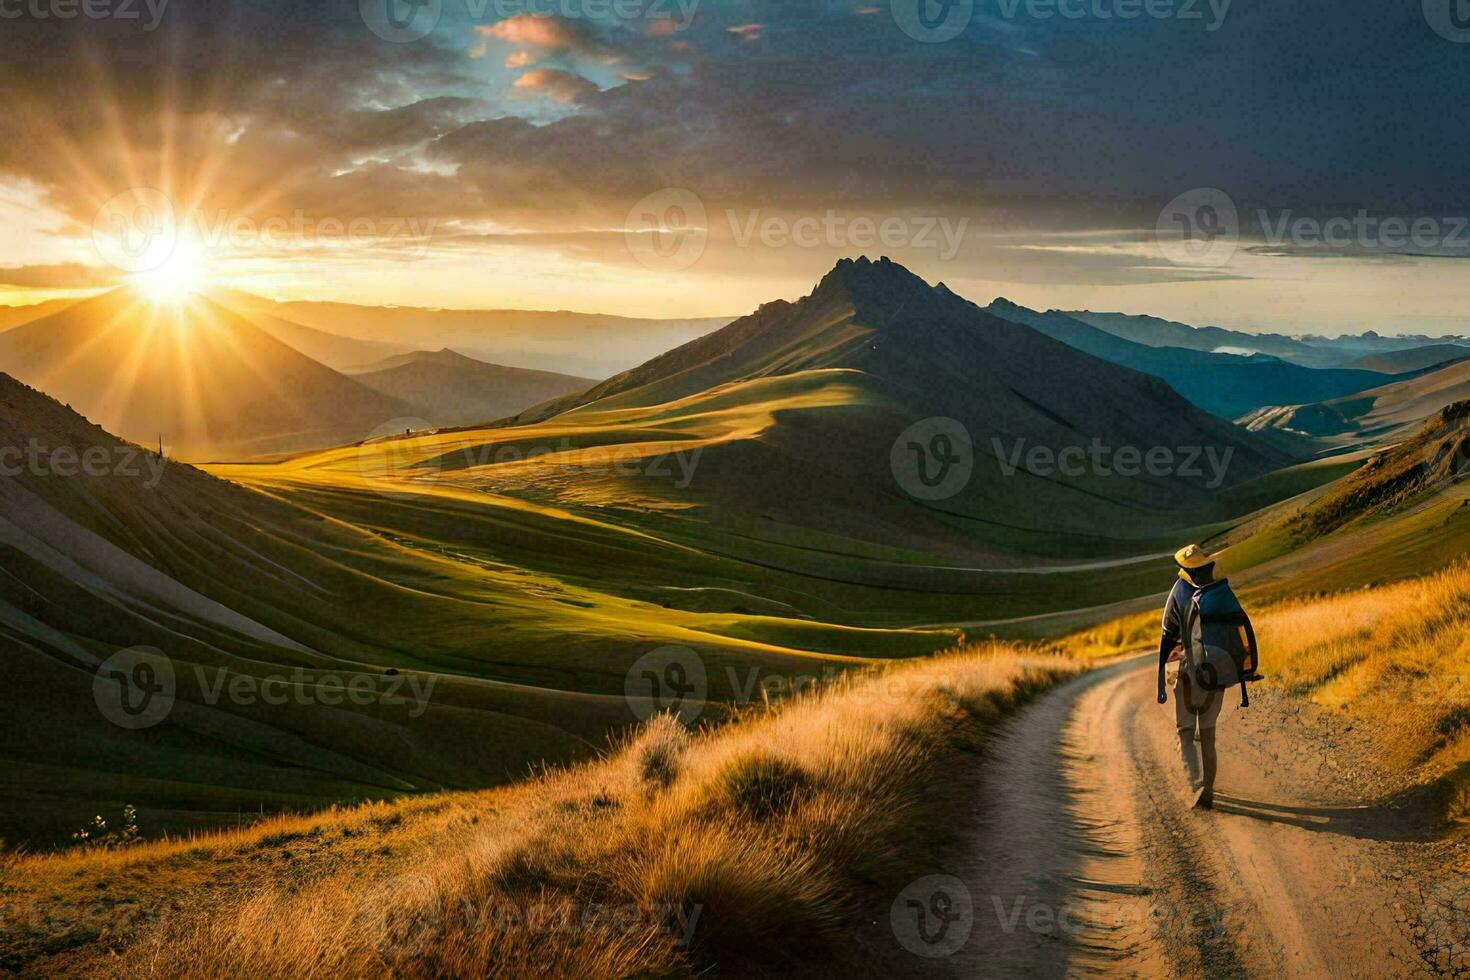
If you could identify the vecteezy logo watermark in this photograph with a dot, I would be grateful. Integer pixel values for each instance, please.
(404, 917)
(89, 9)
(933, 21)
(849, 232)
(1199, 228)
(401, 21)
(668, 230)
(120, 460)
(933, 459)
(1097, 459)
(136, 230)
(933, 916)
(669, 679)
(400, 457)
(135, 688)
(1450, 19)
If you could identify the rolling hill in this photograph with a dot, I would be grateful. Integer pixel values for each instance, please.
(1229, 385)
(209, 382)
(1379, 414)
(511, 611)
(1414, 359)
(592, 345)
(14, 316)
(832, 382)
(450, 389)
(336, 352)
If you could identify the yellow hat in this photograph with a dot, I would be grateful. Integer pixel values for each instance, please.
(1192, 557)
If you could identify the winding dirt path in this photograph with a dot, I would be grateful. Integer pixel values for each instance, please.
(1088, 859)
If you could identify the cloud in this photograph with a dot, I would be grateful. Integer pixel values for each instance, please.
(1038, 128)
(560, 85)
(68, 275)
(556, 35)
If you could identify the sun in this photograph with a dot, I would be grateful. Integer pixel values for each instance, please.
(174, 276)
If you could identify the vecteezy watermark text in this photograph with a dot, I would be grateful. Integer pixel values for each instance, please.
(407, 21)
(1204, 228)
(936, 21)
(140, 230)
(671, 229)
(1211, 12)
(126, 10)
(834, 230)
(1097, 459)
(138, 688)
(94, 461)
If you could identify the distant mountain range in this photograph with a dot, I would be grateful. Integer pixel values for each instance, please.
(1229, 385)
(1383, 413)
(215, 384)
(207, 381)
(1152, 331)
(238, 376)
(1307, 350)
(14, 316)
(334, 350)
(584, 344)
(452, 389)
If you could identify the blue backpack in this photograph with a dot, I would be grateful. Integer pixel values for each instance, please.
(1219, 642)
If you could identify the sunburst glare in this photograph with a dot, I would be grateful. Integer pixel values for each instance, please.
(175, 276)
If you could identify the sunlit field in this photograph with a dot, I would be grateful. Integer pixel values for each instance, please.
(753, 842)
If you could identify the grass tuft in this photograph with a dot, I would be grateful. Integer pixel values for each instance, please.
(658, 748)
(758, 785)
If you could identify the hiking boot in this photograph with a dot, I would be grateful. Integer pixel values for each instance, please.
(1204, 798)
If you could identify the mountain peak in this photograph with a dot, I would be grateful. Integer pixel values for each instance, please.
(877, 290)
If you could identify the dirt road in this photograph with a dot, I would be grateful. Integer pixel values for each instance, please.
(1088, 859)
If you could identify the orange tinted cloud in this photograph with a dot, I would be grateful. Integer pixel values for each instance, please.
(556, 84)
(540, 32)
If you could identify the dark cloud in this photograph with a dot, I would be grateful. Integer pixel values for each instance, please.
(1044, 127)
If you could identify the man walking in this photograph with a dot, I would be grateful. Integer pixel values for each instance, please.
(1198, 684)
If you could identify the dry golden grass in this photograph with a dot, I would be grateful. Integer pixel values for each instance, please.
(757, 842)
(1397, 655)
